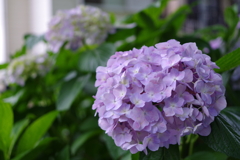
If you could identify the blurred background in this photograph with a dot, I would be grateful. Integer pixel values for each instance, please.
(47, 84)
(20, 17)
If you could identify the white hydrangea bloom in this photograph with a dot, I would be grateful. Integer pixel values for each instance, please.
(2, 80)
(27, 66)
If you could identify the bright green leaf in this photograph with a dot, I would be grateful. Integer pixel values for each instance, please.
(135, 156)
(229, 61)
(69, 92)
(6, 123)
(35, 131)
(4, 65)
(32, 154)
(82, 139)
(225, 134)
(172, 153)
(112, 18)
(20, 52)
(16, 131)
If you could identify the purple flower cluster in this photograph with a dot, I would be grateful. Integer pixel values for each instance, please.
(216, 43)
(78, 26)
(151, 97)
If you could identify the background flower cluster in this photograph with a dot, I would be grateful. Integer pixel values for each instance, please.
(78, 26)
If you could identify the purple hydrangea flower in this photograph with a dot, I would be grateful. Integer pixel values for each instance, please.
(152, 96)
(78, 26)
(216, 43)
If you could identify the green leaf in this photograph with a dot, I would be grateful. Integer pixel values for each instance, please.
(172, 153)
(31, 40)
(135, 156)
(6, 123)
(229, 61)
(144, 20)
(230, 17)
(155, 10)
(35, 131)
(4, 65)
(211, 32)
(199, 42)
(121, 34)
(147, 37)
(69, 92)
(15, 98)
(32, 154)
(177, 18)
(91, 59)
(205, 155)
(115, 151)
(64, 56)
(64, 154)
(225, 134)
(1, 155)
(90, 123)
(16, 131)
(231, 158)
(20, 52)
(82, 139)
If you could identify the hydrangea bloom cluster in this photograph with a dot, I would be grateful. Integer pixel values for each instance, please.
(27, 66)
(151, 97)
(83, 24)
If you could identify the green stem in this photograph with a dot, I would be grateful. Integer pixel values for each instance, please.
(184, 147)
(192, 142)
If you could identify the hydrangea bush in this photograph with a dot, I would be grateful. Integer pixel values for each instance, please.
(148, 99)
(78, 26)
(151, 97)
(27, 66)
